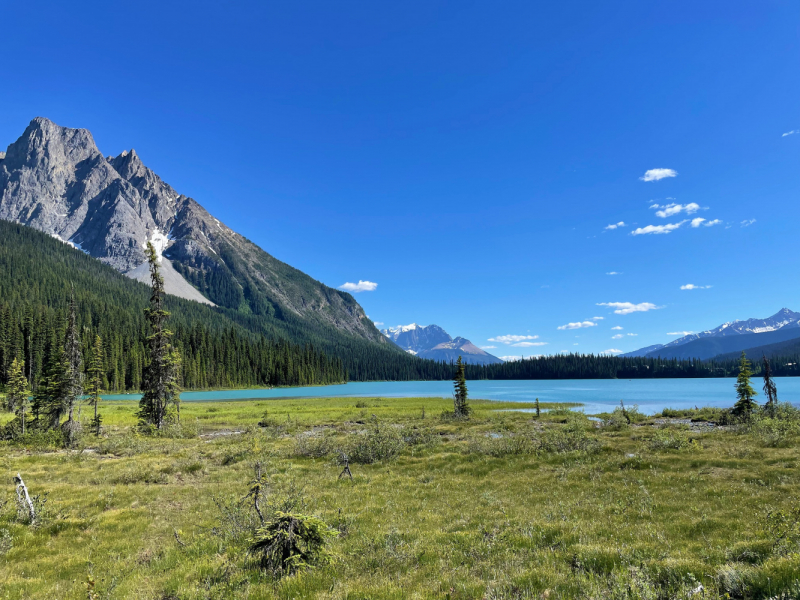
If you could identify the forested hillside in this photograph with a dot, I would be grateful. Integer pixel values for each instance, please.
(36, 276)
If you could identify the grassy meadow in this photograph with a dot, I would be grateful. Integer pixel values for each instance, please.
(500, 506)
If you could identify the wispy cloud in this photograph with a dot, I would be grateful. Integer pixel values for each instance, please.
(578, 325)
(618, 336)
(613, 273)
(712, 223)
(617, 328)
(626, 308)
(378, 323)
(597, 318)
(691, 286)
(697, 222)
(669, 210)
(657, 229)
(611, 351)
(656, 174)
(361, 286)
(701, 221)
(680, 333)
(528, 344)
(616, 225)
(488, 347)
(511, 339)
(747, 222)
(632, 334)
(792, 132)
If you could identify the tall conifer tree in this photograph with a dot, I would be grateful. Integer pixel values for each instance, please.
(744, 391)
(18, 391)
(161, 374)
(72, 382)
(460, 408)
(770, 389)
(95, 381)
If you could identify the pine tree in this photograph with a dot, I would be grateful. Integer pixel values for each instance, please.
(161, 375)
(18, 391)
(95, 381)
(744, 391)
(460, 408)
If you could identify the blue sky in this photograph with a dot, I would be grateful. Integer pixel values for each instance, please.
(467, 157)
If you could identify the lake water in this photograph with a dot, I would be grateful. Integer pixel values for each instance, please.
(596, 395)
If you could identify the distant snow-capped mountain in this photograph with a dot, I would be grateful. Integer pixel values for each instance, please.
(435, 343)
(783, 319)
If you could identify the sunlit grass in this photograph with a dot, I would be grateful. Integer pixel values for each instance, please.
(459, 518)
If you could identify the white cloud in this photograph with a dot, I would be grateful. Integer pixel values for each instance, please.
(529, 344)
(378, 323)
(597, 318)
(611, 351)
(510, 339)
(361, 286)
(613, 273)
(657, 229)
(617, 328)
(619, 336)
(691, 286)
(656, 174)
(615, 225)
(697, 222)
(792, 132)
(748, 222)
(632, 334)
(680, 333)
(626, 308)
(487, 347)
(671, 209)
(578, 325)
(712, 223)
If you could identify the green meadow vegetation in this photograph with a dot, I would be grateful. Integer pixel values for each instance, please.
(500, 505)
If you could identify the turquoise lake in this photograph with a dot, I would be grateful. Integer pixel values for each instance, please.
(596, 395)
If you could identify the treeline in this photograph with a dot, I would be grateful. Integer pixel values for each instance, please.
(589, 366)
(209, 359)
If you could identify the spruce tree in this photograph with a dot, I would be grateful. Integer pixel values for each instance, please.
(18, 391)
(770, 389)
(161, 374)
(744, 391)
(95, 381)
(460, 408)
(72, 382)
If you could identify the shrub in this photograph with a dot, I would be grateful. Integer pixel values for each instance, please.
(292, 542)
(313, 446)
(507, 445)
(419, 436)
(672, 439)
(378, 443)
(569, 438)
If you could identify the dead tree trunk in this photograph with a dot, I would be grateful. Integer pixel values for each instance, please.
(23, 498)
(346, 470)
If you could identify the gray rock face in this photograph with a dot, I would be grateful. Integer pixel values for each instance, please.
(435, 343)
(55, 179)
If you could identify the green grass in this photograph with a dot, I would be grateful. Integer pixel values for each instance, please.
(499, 506)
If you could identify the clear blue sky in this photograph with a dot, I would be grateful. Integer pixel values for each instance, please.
(466, 157)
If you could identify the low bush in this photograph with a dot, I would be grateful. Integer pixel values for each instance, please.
(414, 435)
(506, 445)
(380, 442)
(668, 438)
(308, 445)
(571, 437)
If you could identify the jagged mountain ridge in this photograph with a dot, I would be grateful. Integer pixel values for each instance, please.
(56, 180)
(785, 321)
(435, 343)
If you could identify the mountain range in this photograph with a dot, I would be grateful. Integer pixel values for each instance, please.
(55, 179)
(435, 343)
(731, 338)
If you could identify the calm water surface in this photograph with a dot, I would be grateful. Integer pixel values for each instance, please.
(595, 395)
